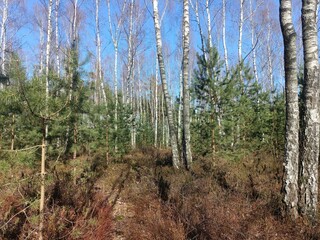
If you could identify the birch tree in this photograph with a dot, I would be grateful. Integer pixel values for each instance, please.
(310, 121)
(225, 49)
(172, 131)
(253, 44)
(195, 8)
(240, 31)
(3, 37)
(186, 148)
(209, 22)
(115, 33)
(45, 134)
(269, 52)
(291, 161)
(57, 43)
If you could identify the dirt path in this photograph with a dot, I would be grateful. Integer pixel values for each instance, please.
(113, 185)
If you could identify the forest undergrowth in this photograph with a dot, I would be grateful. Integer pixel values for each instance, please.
(141, 196)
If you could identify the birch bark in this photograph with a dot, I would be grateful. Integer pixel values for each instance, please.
(291, 160)
(310, 122)
(173, 134)
(115, 35)
(224, 35)
(3, 37)
(186, 147)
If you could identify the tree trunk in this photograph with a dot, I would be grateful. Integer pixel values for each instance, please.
(186, 148)
(270, 64)
(196, 11)
(291, 160)
(254, 51)
(240, 31)
(3, 37)
(49, 31)
(12, 132)
(224, 35)
(180, 109)
(310, 122)
(156, 108)
(42, 186)
(209, 23)
(57, 36)
(130, 56)
(115, 39)
(172, 130)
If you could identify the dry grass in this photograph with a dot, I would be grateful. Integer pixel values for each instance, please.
(142, 197)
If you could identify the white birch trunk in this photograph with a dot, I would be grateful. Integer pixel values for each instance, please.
(310, 122)
(240, 31)
(173, 135)
(98, 44)
(57, 36)
(156, 107)
(41, 47)
(180, 112)
(270, 65)
(291, 161)
(209, 23)
(115, 39)
(225, 49)
(44, 144)
(186, 147)
(254, 51)
(196, 10)
(3, 37)
(130, 57)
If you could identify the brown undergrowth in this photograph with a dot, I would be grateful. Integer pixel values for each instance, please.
(74, 208)
(216, 199)
(141, 196)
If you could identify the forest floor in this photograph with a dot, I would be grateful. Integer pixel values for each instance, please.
(141, 196)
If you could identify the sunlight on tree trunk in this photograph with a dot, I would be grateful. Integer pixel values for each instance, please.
(290, 178)
(310, 121)
(172, 131)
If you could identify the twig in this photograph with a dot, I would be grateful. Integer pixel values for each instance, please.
(16, 215)
(20, 150)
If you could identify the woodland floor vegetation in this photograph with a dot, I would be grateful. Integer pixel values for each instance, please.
(140, 196)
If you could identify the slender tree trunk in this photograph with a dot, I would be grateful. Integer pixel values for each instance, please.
(291, 161)
(180, 110)
(13, 132)
(44, 140)
(115, 81)
(57, 36)
(156, 108)
(75, 141)
(196, 10)
(130, 55)
(270, 65)
(163, 120)
(209, 23)
(100, 77)
(186, 148)
(173, 134)
(240, 31)
(42, 187)
(3, 37)
(41, 47)
(310, 122)
(254, 51)
(224, 35)
(48, 48)
(115, 39)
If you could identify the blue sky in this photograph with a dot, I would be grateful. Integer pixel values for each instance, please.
(171, 32)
